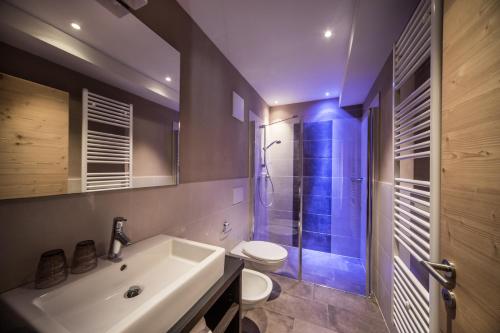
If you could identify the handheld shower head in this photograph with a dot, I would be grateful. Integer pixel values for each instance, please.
(272, 143)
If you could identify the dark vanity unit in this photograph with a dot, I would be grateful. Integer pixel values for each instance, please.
(221, 304)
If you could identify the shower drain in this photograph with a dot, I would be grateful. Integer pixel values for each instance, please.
(133, 291)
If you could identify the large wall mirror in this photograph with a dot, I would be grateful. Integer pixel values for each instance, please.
(84, 106)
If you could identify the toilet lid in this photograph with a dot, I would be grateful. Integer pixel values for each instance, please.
(265, 251)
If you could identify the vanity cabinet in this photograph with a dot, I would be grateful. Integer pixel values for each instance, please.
(221, 304)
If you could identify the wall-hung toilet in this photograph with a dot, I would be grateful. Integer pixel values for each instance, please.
(260, 255)
(256, 288)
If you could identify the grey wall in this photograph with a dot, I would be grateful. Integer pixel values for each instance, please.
(210, 136)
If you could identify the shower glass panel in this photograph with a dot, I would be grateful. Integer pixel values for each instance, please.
(333, 236)
(279, 194)
(313, 196)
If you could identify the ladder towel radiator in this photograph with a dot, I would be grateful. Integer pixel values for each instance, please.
(417, 140)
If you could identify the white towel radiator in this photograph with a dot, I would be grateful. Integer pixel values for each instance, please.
(416, 138)
(106, 143)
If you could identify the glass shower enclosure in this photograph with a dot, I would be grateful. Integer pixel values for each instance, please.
(279, 183)
(310, 183)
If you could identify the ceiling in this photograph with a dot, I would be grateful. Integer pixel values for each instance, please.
(377, 25)
(280, 48)
(278, 45)
(120, 51)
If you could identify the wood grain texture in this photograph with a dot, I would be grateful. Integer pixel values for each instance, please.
(470, 223)
(34, 127)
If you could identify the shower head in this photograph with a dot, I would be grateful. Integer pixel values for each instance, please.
(272, 143)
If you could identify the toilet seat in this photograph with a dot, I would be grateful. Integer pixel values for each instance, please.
(263, 265)
(265, 251)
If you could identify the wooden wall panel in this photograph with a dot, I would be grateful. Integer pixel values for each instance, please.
(470, 213)
(34, 129)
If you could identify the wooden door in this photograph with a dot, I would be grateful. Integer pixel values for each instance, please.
(470, 207)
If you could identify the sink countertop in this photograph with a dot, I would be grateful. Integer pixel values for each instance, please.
(94, 302)
(10, 322)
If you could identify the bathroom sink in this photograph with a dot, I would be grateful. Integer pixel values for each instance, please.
(155, 284)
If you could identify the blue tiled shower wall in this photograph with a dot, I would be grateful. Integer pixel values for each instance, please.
(317, 186)
(326, 157)
(331, 211)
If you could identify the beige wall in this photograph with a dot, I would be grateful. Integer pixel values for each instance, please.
(214, 159)
(195, 211)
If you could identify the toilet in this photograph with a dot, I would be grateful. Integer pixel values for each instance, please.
(260, 255)
(256, 288)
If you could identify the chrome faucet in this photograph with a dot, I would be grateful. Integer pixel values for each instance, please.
(118, 239)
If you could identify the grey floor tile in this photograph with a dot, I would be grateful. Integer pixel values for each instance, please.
(347, 321)
(267, 322)
(304, 307)
(363, 306)
(293, 287)
(339, 284)
(328, 269)
(300, 308)
(301, 326)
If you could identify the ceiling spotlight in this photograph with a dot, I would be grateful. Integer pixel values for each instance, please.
(75, 26)
(168, 79)
(328, 33)
(327, 94)
(275, 102)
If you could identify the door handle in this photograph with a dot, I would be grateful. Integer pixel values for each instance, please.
(450, 302)
(448, 279)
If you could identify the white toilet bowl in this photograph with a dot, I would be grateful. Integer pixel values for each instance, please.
(256, 288)
(260, 255)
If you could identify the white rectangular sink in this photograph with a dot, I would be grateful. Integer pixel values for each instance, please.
(172, 274)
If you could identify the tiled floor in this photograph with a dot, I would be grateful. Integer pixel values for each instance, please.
(327, 269)
(303, 307)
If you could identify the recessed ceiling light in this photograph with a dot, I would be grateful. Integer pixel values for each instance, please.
(75, 26)
(168, 79)
(327, 94)
(275, 102)
(328, 33)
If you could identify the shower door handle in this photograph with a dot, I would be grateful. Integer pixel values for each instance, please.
(357, 179)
